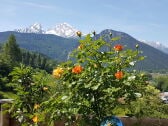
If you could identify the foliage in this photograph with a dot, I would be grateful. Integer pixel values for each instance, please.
(161, 83)
(149, 105)
(32, 88)
(12, 51)
(53, 46)
(11, 56)
(37, 60)
(93, 81)
(5, 69)
(98, 80)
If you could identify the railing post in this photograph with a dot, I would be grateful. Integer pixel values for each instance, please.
(1, 121)
(3, 101)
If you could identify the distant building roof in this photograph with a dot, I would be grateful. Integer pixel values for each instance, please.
(164, 94)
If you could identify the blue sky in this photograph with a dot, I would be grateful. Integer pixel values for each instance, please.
(142, 19)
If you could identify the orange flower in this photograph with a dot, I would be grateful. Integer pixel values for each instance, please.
(79, 33)
(35, 119)
(58, 72)
(36, 106)
(77, 69)
(119, 75)
(118, 47)
(45, 88)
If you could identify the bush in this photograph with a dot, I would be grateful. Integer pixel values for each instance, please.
(32, 88)
(94, 80)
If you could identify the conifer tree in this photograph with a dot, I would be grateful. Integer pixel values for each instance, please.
(12, 51)
(38, 62)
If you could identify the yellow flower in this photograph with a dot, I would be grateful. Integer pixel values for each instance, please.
(36, 106)
(57, 72)
(35, 119)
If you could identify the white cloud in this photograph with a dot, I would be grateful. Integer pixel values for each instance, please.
(37, 5)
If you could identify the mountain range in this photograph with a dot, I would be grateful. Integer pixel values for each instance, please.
(58, 47)
(156, 45)
(67, 31)
(63, 30)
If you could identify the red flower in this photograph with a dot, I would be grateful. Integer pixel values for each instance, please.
(118, 47)
(77, 69)
(119, 75)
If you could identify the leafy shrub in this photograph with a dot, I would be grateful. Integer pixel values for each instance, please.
(93, 80)
(32, 88)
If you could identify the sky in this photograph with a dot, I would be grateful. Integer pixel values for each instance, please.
(142, 19)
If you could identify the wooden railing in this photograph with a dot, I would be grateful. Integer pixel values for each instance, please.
(127, 121)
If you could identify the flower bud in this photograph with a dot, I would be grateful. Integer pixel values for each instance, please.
(142, 74)
(79, 34)
(137, 46)
(111, 34)
(45, 88)
(80, 46)
(36, 106)
(94, 33)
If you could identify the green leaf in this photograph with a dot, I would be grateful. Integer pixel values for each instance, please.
(96, 86)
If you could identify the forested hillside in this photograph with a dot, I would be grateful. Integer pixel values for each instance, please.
(53, 46)
(11, 55)
(155, 59)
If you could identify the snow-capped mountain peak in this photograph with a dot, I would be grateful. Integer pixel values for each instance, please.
(155, 44)
(63, 29)
(35, 28)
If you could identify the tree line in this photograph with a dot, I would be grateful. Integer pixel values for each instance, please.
(11, 55)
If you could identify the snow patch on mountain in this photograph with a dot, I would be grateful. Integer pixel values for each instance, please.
(35, 28)
(157, 45)
(63, 30)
